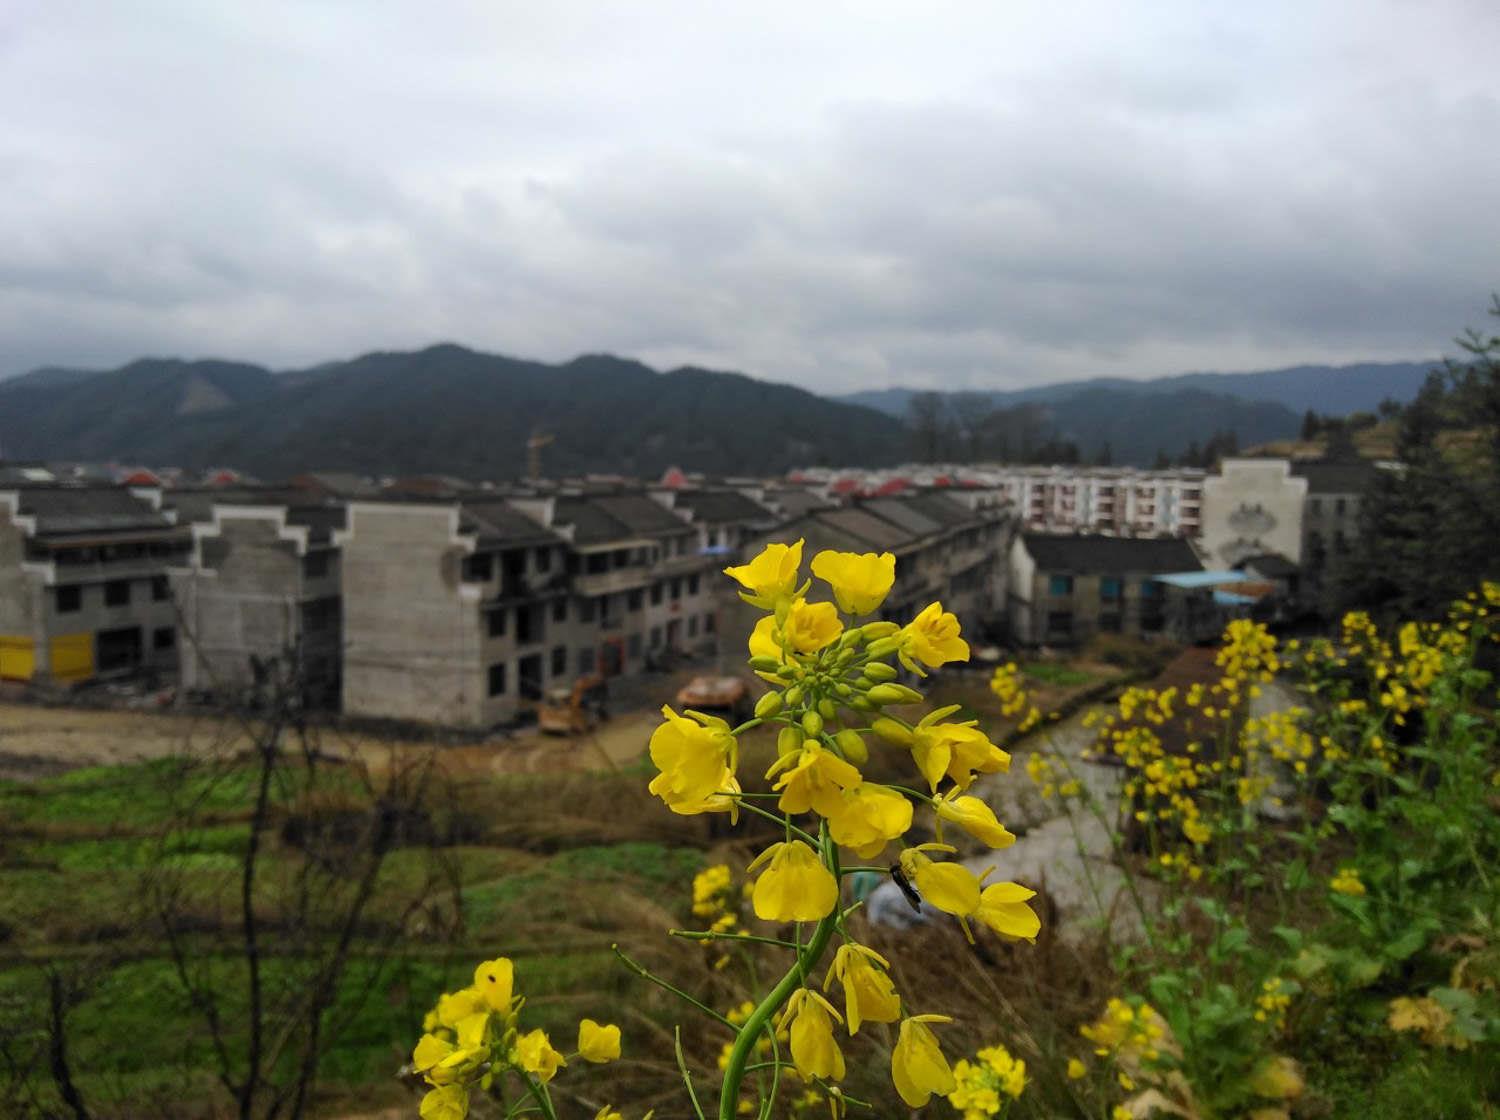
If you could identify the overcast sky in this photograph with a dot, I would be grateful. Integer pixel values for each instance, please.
(996, 193)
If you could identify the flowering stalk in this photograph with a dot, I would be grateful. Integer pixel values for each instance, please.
(776, 999)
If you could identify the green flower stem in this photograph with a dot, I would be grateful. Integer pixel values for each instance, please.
(687, 1077)
(646, 974)
(779, 819)
(538, 1091)
(734, 1072)
(711, 935)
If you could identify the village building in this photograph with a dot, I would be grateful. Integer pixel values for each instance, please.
(1065, 588)
(83, 583)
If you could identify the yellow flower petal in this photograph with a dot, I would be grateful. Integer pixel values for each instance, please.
(598, 1043)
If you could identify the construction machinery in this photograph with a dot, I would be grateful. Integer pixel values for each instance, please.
(573, 711)
(721, 696)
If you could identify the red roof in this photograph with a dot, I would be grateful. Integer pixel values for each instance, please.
(845, 486)
(140, 477)
(892, 486)
(674, 477)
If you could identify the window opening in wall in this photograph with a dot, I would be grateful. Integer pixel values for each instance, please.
(560, 610)
(1060, 585)
(69, 599)
(315, 565)
(117, 593)
(497, 623)
(497, 679)
(164, 637)
(160, 589)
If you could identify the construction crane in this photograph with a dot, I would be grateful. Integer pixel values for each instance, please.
(534, 447)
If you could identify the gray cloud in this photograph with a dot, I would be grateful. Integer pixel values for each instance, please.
(847, 196)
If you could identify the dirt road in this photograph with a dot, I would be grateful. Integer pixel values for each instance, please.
(40, 741)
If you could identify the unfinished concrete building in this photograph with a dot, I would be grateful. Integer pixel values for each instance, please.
(83, 584)
(260, 595)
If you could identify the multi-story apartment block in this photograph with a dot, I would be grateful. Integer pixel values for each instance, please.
(261, 585)
(1253, 507)
(1336, 491)
(83, 583)
(1065, 588)
(1121, 501)
(462, 612)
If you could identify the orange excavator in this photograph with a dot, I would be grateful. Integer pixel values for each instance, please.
(576, 710)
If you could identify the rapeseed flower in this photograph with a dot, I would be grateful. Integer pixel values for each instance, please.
(955, 750)
(869, 816)
(860, 582)
(869, 994)
(446, 1102)
(534, 1054)
(771, 578)
(813, 779)
(918, 1067)
(598, 1043)
(494, 981)
(693, 756)
(976, 818)
(931, 638)
(810, 627)
(815, 1053)
(796, 887)
(1347, 882)
(1002, 907)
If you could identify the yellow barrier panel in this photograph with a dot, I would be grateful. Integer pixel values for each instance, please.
(17, 658)
(73, 657)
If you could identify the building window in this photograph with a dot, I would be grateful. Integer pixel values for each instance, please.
(634, 646)
(69, 599)
(708, 623)
(528, 625)
(656, 637)
(1060, 585)
(1340, 506)
(692, 626)
(497, 623)
(315, 565)
(656, 594)
(585, 660)
(634, 600)
(585, 610)
(560, 610)
(160, 589)
(1150, 589)
(692, 585)
(676, 589)
(1314, 506)
(1110, 623)
(164, 637)
(477, 569)
(1109, 587)
(544, 559)
(117, 593)
(1060, 624)
(559, 661)
(497, 679)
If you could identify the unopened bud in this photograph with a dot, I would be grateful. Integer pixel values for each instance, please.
(764, 663)
(812, 723)
(842, 688)
(880, 671)
(861, 703)
(827, 708)
(768, 705)
(787, 672)
(892, 731)
(875, 630)
(789, 740)
(853, 746)
(893, 694)
(794, 696)
(884, 647)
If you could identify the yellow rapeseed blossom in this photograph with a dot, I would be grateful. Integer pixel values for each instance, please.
(868, 991)
(1348, 882)
(598, 1043)
(770, 578)
(918, 1067)
(534, 1054)
(693, 756)
(954, 750)
(812, 626)
(932, 638)
(860, 582)
(987, 1084)
(1278, 1078)
(868, 818)
(813, 779)
(446, 1102)
(815, 1052)
(1002, 907)
(976, 818)
(796, 887)
(494, 981)
(1076, 1070)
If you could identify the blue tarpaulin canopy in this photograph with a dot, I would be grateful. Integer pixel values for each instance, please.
(1230, 599)
(1201, 579)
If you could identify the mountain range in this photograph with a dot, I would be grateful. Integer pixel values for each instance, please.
(451, 410)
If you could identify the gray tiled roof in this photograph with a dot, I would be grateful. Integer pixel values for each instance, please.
(903, 514)
(874, 531)
(497, 522)
(722, 506)
(77, 509)
(1087, 554)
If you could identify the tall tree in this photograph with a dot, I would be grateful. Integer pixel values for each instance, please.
(1428, 525)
